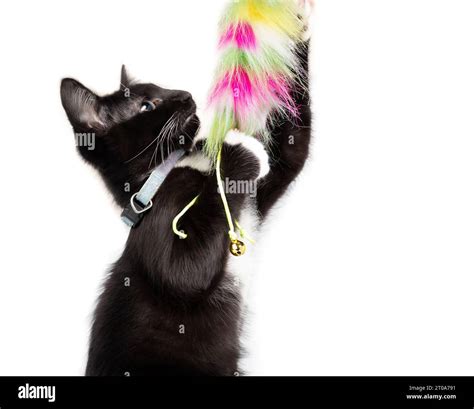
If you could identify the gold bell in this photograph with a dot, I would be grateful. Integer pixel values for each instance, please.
(237, 248)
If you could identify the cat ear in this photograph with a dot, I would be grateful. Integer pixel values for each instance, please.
(125, 79)
(81, 105)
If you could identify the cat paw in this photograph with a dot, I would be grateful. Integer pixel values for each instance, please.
(252, 145)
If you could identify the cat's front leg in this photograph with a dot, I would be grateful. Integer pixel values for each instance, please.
(193, 264)
(244, 158)
(290, 141)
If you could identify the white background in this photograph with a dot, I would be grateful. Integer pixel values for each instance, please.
(366, 269)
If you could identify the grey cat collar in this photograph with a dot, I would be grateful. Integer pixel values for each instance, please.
(141, 201)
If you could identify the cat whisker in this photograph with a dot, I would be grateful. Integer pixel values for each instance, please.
(142, 151)
(151, 143)
(165, 134)
(173, 130)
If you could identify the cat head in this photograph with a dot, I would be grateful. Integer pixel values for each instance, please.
(124, 135)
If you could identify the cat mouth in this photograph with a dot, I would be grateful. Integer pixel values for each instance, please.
(191, 125)
(189, 118)
(190, 114)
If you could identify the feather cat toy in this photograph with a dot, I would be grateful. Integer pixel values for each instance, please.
(257, 66)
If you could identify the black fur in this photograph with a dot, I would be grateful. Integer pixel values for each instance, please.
(175, 284)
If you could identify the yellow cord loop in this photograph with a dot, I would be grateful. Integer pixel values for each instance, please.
(237, 248)
(228, 215)
(180, 233)
(243, 233)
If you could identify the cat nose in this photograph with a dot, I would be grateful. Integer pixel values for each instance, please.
(185, 97)
(181, 96)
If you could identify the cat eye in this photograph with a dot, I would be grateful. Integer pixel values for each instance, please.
(147, 106)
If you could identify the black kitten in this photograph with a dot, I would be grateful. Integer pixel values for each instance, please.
(173, 306)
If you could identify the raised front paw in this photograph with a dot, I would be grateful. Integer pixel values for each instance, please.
(244, 157)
